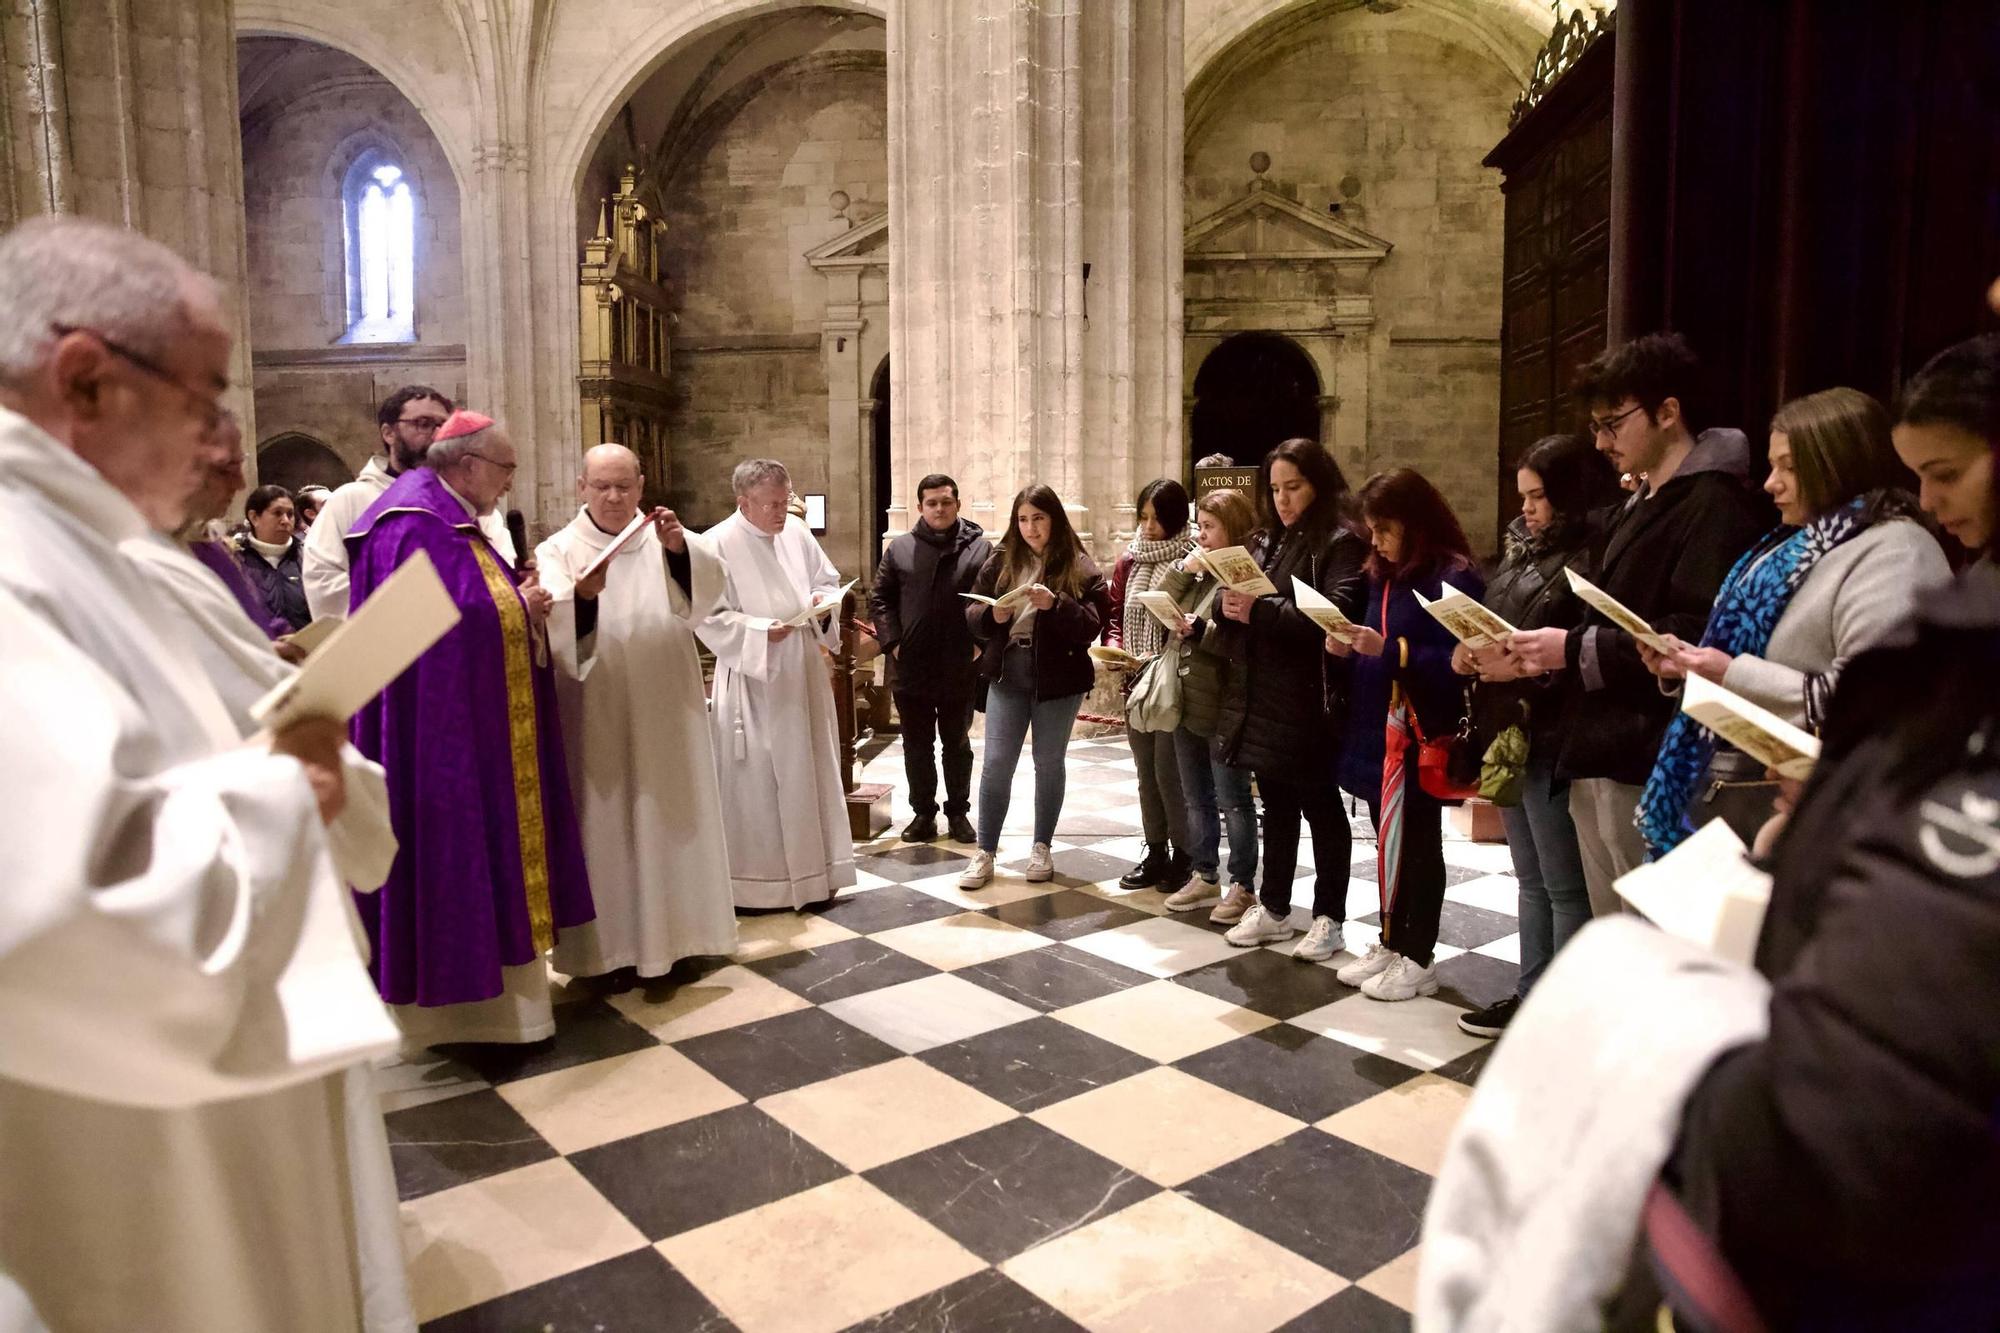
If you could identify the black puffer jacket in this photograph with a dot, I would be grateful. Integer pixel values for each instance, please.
(1062, 634)
(1285, 705)
(1530, 591)
(917, 610)
(279, 582)
(1665, 558)
(1849, 1164)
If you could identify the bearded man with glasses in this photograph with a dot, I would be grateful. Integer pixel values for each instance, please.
(407, 421)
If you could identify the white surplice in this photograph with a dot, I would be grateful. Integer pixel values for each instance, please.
(776, 739)
(641, 760)
(323, 563)
(181, 984)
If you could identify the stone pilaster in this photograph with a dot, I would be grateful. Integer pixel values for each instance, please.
(125, 110)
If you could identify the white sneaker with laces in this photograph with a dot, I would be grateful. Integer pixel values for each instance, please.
(1401, 980)
(1193, 894)
(1041, 864)
(1324, 940)
(1367, 965)
(1259, 925)
(979, 874)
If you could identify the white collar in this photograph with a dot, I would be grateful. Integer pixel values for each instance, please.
(470, 511)
(41, 462)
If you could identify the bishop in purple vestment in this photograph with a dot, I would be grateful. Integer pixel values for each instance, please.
(490, 868)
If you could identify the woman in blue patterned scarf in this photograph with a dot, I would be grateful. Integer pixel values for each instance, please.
(1838, 575)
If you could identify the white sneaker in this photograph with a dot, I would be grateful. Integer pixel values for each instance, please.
(1367, 965)
(1193, 894)
(1259, 925)
(1041, 864)
(1235, 903)
(1324, 940)
(1401, 980)
(979, 874)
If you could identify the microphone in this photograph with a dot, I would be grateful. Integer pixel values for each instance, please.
(524, 554)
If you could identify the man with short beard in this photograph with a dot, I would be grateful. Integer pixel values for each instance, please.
(408, 420)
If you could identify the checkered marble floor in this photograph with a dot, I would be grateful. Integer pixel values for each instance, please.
(1033, 1107)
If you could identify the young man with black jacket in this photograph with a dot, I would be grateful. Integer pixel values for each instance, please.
(920, 623)
(1665, 555)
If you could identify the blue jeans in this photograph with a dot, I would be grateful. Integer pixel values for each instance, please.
(1010, 711)
(1554, 902)
(1213, 787)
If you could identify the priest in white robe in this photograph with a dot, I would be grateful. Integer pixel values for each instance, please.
(181, 984)
(635, 721)
(773, 719)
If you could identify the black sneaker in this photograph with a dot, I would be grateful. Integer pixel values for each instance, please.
(1492, 1020)
(961, 829)
(1149, 873)
(921, 829)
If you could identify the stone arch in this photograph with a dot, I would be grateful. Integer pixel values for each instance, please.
(294, 459)
(1252, 391)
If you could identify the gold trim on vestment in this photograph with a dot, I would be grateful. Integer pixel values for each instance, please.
(523, 742)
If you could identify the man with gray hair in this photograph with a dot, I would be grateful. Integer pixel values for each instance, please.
(775, 734)
(180, 988)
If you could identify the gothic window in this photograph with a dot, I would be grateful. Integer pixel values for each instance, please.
(381, 233)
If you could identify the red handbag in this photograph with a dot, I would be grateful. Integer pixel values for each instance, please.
(1434, 757)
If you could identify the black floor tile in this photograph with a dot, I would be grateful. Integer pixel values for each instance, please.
(1304, 1075)
(1005, 1189)
(986, 1302)
(671, 1180)
(460, 1139)
(586, 1030)
(890, 906)
(1034, 1064)
(1065, 914)
(1336, 1203)
(916, 861)
(634, 1291)
(1352, 1311)
(1465, 927)
(1266, 982)
(775, 1055)
(836, 971)
(1082, 866)
(1475, 981)
(1467, 1068)
(1077, 822)
(1053, 977)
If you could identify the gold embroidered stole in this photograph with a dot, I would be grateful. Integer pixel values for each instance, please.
(522, 741)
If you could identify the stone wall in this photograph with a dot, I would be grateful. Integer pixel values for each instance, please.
(1389, 115)
(298, 145)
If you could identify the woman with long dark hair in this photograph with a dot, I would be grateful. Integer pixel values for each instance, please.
(1419, 546)
(1284, 712)
(273, 556)
(1035, 664)
(1565, 485)
(1156, 548)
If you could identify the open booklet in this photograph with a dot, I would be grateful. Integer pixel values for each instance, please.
(625, 537)
(1012, 597)
(823, 607)
(315, 633)
(1235, 569)
(1322, 612)
(1163, 607)
(1706, 891)
(1115, 657)
(1617, 612)
(1751, 728)
(357, 661)
(1468, 620)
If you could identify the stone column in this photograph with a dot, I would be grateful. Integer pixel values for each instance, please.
(125, 111)
(1026, 139)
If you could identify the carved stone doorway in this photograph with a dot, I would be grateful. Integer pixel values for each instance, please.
(293, 460)
(1252, 392)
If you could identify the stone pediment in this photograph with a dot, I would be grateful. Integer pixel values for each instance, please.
(863, 245)
(1265, 225)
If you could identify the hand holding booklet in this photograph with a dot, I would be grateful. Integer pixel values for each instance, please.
(357, 661)
(625, 536)
(1236, 569)
(1466, 617)
(1012, 597)
(1758, 732)
(1706, 891)
(1163, 607)
(1617, 612)
(821, 608)
(1322, 612)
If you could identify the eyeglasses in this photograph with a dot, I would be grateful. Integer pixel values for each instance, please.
(1608, 427)
(421, 423)
(209, 409)
(508, 468)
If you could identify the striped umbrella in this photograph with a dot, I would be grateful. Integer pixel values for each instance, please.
(1389, 831)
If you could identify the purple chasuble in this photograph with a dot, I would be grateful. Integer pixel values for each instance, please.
(489, 857)
(220, 559)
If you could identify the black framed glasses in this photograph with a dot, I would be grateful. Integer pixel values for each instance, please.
(509, 468)
(1609, 426)
(426, 424)
(210, 410)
